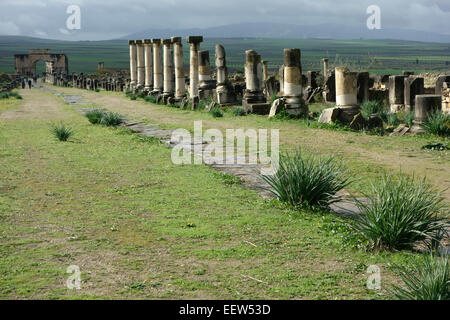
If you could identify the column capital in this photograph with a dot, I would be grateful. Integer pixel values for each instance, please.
(156, 41)
(194, 39)
(131, 42)
(176, 39)
(147, 41)
(166, 41)
(138, 41)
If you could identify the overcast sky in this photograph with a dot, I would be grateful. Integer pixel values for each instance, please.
(107, 19)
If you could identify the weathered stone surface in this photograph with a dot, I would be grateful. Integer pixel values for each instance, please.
(329, 115)
(357, 122)
(275, 108)
(401, 130)
(413, 86)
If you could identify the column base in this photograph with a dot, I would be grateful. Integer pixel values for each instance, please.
(417, 127)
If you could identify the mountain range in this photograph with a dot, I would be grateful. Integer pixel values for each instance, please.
(278, 30)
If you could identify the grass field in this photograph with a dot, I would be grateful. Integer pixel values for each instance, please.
(377, 56)
(141, 227)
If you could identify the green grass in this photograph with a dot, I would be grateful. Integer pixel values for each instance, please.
(427, 279)
(438, 123)
(62, 132)
(308, 180)
(141, 227)
(401, 212)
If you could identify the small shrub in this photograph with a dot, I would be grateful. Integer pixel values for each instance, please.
(371, 107)
(401, 213)
(133, 97)
(239, 112)
(391, 119)
(408, 118)
(62, 132)
(95, 116)
(216, 112)
(428, 279)
(97, 90)
(435, 146)
(202, 104)
(438, 123)
(307, 181)
(150, 98)
(111, 119)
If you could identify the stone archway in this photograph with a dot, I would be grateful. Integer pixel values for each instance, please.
(25, 64)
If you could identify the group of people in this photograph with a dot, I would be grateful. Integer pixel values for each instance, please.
(29, 81)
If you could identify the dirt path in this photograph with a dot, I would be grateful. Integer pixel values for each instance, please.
(36, 104)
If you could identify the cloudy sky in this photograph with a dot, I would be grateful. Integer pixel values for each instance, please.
(107, 19)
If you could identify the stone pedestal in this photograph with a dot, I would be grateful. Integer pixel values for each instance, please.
(413, 86)
(140, 64)
(293, 93)
(224, 94)
(424, 104)
(254, 100)
(133, 64)
(100, 66)
(148, 52)
(157, 67)
(346, 93)
(206, 84)
(180, 82)
(397, 93)
(169, 78)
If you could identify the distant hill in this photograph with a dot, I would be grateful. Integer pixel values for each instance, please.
(277, 30)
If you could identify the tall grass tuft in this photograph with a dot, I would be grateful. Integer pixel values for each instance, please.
(438, 123)
(428, 279)
(308, 180)
(216, 112)
(95, 116)
(239, 112)
(111, 119)
(62, 132)
(400, 213)
(371, 107)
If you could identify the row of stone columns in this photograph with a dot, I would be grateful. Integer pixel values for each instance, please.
(157, 66)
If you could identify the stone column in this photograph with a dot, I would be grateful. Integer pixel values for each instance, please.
(363, 86)
(293, 83)
(414, 85)
(194, 42)
(396, 93)
(100, 66)
(133, 62)
(157, 67)
(325, 69)
(265, 71)
(204, 69)
(224, 91)
(168, 67)
(140, 64)
(180, 88)
(346, 87)
(254, 100)
(425, 104)
(148, 65)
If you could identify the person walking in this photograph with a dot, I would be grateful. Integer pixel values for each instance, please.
(23, 84)
(29, 84)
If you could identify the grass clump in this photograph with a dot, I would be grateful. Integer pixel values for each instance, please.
(62, 132)
(111, 119)
(216, 112)
(7, 95)
(239, 112)
(438, 123)
(400, 213)
(307, 180)
(95, 116)
(371, 107)
(427, 279)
